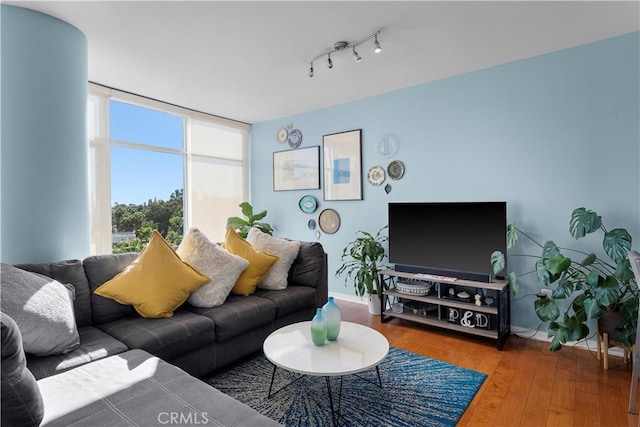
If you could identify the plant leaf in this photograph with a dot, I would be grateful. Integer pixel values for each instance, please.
(583, 222)
(514, 283)
(544, 277)
(512, 235)
(617, 244)
(550, 250)
(546, 309)
(235, 222)
(607, 291)
(247, 209)
(623, 271)
(590, 259)
(558, 264)
(497, 261)
(259, 216)
(591, 307)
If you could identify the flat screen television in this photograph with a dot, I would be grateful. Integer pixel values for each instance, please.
(454, 239)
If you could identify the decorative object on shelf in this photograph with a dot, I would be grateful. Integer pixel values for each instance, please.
(376, 175)
(397, 307)
(488, 301)
(343, 46)
(387, 188)
(311, 224)
(296, 169)
(361, 260)
(418, 289)
(329, 221)
(388, 145)
(395, 170)
(294, 138)
(478, 299)
(591, 287)
(242, 226)
(331, 313)
(308, 204)
(318, 328)
(343, 165)
(282, 135)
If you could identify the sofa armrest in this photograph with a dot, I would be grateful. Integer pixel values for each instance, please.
(310, 269)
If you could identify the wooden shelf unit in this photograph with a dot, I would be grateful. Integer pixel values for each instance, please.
(438, 309)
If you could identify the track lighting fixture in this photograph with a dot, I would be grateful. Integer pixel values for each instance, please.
(341, 46)
(356, 56)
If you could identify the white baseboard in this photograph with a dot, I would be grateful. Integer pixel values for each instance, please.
(350, 298)
(584, 345)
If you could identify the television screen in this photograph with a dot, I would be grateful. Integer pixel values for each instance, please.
(447, 238)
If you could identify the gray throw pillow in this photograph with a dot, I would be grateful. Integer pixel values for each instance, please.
(285, 250)
(43, 310)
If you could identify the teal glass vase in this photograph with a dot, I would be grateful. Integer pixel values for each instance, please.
(331, 313)
(318, 328)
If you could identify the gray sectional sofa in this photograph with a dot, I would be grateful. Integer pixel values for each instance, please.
(114, 339)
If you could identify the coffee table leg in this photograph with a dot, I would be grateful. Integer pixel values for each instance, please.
(339, 398)
(379, 379)
(333, 415)
(273, 375)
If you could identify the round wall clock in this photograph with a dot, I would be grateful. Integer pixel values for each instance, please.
(395, 169)
(376, 175)
(283, 135)
(308, 204)
(295, 138)
(388, 145)
(329, 221)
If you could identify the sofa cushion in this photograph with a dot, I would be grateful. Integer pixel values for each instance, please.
(307, 269)
(238, 314)
(70, 271)
(165, 338)
(156, 283)
(222, 268)
(21, 400)
(285, 250)
(99, 269)
(43, 310)
(94, 345)
(134, 388)
(290, 300)
(259, 263)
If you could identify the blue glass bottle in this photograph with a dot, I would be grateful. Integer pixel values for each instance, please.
(318, 328)
(331, 313)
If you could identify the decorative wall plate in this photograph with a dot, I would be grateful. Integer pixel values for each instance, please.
(295, 138)
(329, 221)
(311, 224)
(388, 145)
(376, 175)
(308, 204)
(282, 135)
(395, 169)
(387, 188)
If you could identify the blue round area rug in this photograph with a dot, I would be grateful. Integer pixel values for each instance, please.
(416, 391)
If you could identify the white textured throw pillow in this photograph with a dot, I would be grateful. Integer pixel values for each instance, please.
(43, 310)
(213, 261)
(286, 250)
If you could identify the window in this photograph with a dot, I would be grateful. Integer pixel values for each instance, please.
(155, 166)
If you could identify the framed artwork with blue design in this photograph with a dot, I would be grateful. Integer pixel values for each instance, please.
(342, 163)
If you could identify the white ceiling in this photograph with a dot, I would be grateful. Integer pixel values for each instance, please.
(249, 60)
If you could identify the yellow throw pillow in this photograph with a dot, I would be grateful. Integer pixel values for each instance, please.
(259, 263)
(156, 283)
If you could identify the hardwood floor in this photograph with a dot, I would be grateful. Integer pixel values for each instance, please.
(526, 385)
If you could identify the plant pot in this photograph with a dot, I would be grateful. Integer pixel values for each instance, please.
(374, 304)
(610, 322)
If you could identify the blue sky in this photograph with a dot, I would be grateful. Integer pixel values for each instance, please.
(140, 175)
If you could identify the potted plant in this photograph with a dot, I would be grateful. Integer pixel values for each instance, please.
(593, 287)
(361, 264)
(242, 226)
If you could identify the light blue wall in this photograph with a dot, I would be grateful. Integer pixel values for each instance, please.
(546, 134)
(45, 193)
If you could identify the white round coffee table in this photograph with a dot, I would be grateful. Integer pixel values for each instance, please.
(357, 349)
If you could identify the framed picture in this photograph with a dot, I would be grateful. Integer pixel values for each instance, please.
(343, 165)
(296, 169)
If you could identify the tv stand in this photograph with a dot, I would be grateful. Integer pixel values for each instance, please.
(449, 304)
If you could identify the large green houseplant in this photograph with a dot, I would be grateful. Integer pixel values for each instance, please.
(362, 260)
(592, 286)
(243, 225)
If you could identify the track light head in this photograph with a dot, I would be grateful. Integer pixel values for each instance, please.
(329, 61)
(356, 56)
(311, 70)
(376, 46)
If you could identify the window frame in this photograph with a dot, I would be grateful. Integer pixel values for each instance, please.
(101, 227)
